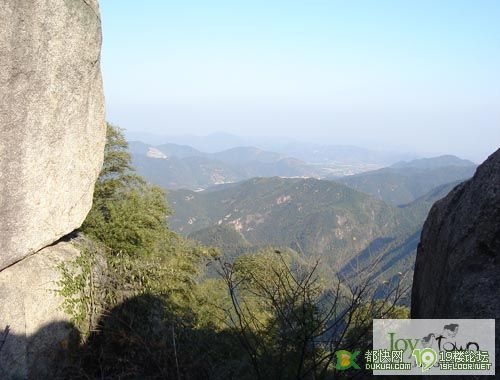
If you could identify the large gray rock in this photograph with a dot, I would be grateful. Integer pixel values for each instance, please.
(457, 270)
(35, 333)
(52, 128)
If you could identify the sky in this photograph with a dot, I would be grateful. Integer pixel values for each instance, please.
(420, 76)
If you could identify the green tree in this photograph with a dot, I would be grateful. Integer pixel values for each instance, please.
(291, 322)
(128, 215)
(128, 221)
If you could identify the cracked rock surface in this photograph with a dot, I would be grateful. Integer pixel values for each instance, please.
(52, 126)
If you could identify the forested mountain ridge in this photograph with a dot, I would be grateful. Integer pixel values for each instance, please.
(434, 162)
(313, 217)
(349, 222)
(405, 183)
(172, 166)
(308, 215)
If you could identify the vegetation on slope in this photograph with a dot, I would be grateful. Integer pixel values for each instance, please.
(404, 184)
(265, 316)
(311, 216)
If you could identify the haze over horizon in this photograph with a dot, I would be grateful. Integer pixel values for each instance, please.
(420, 77)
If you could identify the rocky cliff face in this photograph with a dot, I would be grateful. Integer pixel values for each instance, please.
(457, 270)
(52, 135)
(35, 332)
(51, 120)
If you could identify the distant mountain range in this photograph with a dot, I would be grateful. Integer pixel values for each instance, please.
(324, 152)
(406, 181)
(341, 154)
(244, 198)
(211, 143)
(434, 163)
(173, 166)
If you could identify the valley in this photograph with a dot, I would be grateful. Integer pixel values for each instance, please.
(349, 213)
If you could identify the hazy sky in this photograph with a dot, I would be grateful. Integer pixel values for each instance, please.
(408, 75)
